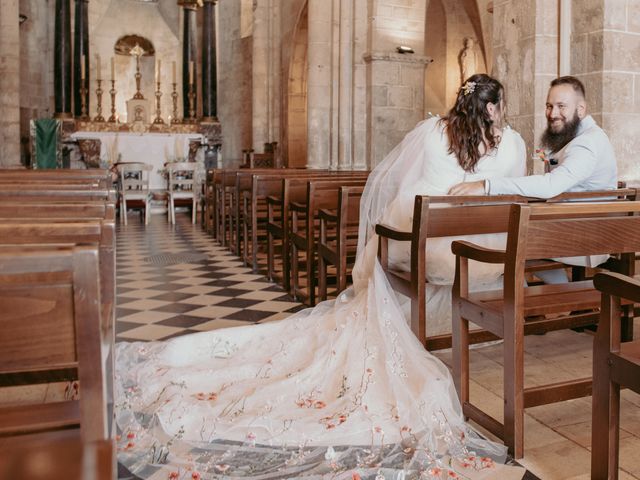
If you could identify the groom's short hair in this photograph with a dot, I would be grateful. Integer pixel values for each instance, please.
(576, 84)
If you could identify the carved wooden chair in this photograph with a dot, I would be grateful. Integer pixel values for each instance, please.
(181, 186)
(133, 188)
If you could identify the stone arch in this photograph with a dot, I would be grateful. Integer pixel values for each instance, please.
(296, 131)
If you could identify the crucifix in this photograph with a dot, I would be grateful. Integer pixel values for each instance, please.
(137, 52)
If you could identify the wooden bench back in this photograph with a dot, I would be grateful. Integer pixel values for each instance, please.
(40, 195)
(50, 321)
(61, 175)
(91, 209)
(323, 193)
(573, 229)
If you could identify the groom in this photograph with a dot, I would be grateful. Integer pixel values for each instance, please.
(581, 157)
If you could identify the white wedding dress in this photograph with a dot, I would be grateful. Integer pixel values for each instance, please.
(342, 390)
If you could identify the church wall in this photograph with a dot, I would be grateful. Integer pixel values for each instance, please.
(621, 84)
(395, 81)
(10, 91)
(606, 57)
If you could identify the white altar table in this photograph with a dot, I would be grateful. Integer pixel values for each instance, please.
(153, 148)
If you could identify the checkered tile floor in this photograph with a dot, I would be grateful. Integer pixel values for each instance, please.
(174, 280)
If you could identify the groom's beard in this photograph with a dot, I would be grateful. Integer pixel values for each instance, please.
(555, 141)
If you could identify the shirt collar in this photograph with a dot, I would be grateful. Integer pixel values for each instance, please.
(586, 123)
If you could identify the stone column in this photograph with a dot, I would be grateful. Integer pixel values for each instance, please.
(525, 55)
(10, 91)
(80, 51)
(345, 78)
(267, 93)
(189, 54)
(260, 76)
(209, 84)
(62, 60)
(319, 84)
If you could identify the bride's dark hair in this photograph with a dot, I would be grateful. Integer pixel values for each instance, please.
(468, 124)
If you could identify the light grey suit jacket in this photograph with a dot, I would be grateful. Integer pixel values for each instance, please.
(587, 162)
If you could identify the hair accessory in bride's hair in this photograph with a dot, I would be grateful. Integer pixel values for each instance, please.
(468, 88)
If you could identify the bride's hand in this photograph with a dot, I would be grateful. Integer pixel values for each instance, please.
(468, 188)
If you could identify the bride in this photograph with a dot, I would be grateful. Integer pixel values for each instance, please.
(342, 390)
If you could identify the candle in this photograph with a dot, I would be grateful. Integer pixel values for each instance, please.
(82, 67)
(113, 68)
(173, 65)
(98, 68)
(190, 72)
(158, 71)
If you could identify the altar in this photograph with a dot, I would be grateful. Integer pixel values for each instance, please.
(155, 149)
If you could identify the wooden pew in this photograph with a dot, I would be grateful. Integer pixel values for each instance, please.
(535, 231)
(433, 217)
(338, 239)
(59, 457)
(254, 196)
(18, 211)
(412, 284)
(321, 194)
(68, 196)
(225, 200)
(293, 191)
(616, 364)
(242, 198)
(87, 230)
(208, 202)
(61, 172)
(50, 313)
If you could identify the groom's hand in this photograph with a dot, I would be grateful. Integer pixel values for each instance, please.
(468, 188)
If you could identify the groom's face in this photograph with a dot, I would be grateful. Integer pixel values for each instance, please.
(565, 108)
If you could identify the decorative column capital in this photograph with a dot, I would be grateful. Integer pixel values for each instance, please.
(190, 4)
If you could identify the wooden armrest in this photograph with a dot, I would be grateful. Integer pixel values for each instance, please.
(393, 234)
(273, 200)
(476, 252)
(618, 284)
(298, 207)
(328, 215)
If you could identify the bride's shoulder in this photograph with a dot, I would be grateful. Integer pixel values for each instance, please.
(511, 137)
(510, 132)
(433, 124)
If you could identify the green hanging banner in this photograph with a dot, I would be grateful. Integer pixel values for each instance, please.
(47, 132)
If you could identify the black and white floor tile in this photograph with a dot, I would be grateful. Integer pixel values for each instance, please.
(173, 280)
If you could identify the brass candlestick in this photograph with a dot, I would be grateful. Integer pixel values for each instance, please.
(113, 92)
(174, 97)
(83, 99)
(192, 103)
(158, 120)
(99, 92)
